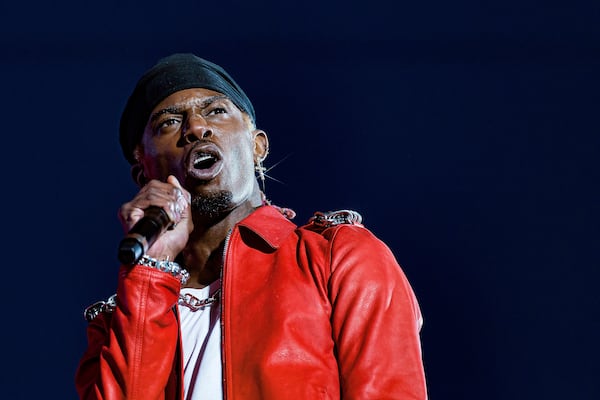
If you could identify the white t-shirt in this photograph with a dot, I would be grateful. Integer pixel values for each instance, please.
(201, 338)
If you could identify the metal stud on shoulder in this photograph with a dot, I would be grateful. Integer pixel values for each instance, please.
(332, 218)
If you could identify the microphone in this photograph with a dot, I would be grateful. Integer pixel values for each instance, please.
(143, 234)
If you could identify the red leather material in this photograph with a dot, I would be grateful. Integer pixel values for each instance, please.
(131, 352)
(306, 314)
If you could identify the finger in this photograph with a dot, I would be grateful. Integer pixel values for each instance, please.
(129, 215)
(183, 196)
(155, 193)
(181, 191)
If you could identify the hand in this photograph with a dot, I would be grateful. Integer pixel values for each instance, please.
(172, 198)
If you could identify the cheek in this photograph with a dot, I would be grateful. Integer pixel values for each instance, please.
(244, 165)
(159, 164)
(244, 152)
(244, 161)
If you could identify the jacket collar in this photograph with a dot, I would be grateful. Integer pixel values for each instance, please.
(269, 224)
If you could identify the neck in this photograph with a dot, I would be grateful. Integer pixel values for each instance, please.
(204, 252)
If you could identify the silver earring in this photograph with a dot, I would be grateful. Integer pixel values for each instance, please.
(260, 171)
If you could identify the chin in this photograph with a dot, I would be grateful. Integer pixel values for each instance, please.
(212, 205)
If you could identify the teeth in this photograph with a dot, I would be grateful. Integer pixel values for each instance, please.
(204, 161)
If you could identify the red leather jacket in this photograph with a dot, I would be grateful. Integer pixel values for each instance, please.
(307, 313)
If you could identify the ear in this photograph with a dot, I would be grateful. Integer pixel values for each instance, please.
(261, 145)
(137, 173)
(137, 169)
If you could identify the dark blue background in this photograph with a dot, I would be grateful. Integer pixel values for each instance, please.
(466, 133)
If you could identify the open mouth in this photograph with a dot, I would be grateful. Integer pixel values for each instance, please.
(205, 162)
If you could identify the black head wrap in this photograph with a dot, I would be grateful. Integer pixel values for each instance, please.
(169, 75)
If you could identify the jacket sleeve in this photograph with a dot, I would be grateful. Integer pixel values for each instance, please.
(132, 351)
(376, 320)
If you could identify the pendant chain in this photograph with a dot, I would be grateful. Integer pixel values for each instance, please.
(193, 303)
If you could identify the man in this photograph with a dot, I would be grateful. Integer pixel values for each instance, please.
(253, 306)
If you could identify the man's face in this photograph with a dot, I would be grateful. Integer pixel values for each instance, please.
(203, 139)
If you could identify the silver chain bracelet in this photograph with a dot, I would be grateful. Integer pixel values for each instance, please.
(99, 307)
(167, 266)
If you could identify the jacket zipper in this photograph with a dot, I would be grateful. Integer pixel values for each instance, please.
(222, 295)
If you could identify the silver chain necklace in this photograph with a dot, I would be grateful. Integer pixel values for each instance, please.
(193, 303)
(188, 300)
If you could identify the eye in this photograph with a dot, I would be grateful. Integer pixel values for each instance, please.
(216, 110)
(167, 124)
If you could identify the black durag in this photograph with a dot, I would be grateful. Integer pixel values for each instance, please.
(169, 75)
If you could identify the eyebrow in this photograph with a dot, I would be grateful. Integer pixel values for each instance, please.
(179, 109)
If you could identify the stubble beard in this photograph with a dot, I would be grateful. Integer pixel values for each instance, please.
(213, 205)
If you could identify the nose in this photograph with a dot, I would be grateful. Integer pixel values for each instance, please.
(195, 129)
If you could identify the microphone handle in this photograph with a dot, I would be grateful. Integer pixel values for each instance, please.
(143, 234)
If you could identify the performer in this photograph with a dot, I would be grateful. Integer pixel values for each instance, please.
(234, 300)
